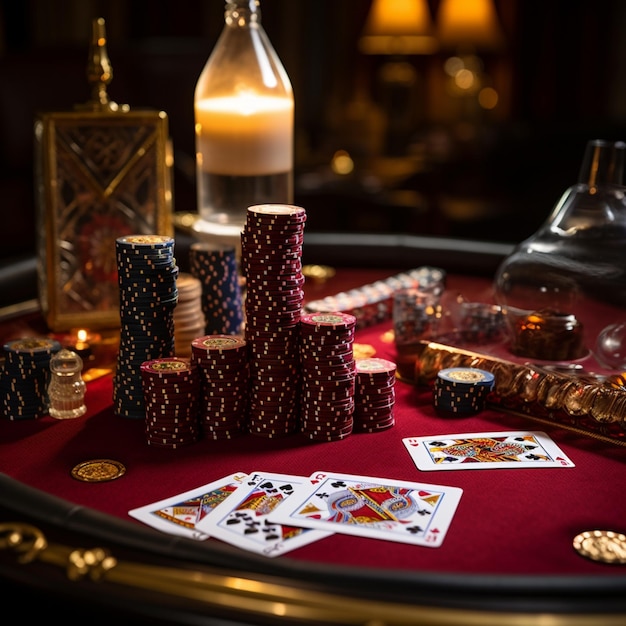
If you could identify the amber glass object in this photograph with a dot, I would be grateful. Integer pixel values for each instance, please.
(575, 264)
(244, 120)
(66, 391)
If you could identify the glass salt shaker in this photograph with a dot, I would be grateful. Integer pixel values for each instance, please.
(66, 390)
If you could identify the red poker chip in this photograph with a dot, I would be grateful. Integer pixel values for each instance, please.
(329, 320)
(174, 433)
(373, 413)
(288, 211)
(159, 443)
(364, 428)
(167, 367)
(271, 241)
(219, 343)
(366, 406)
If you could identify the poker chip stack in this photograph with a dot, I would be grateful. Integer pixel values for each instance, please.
(222, 362)
(374, 395)
(271, 244)
(171, 389)
(328, 375)
(188, 316)
(147, 274)
(26, 376)
(462, 390)
(222, 300)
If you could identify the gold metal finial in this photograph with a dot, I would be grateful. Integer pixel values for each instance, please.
(100, 71)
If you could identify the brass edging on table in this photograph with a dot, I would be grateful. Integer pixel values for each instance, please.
(20, 308)
(280, 601)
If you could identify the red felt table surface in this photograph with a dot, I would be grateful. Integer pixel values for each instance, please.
(508, 521)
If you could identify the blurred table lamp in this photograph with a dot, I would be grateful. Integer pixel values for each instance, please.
(398, 29)
(467, 29)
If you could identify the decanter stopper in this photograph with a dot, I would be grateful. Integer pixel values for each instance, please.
(100, 72)
(66, 390)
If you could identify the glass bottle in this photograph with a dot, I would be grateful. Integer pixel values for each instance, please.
(244, 122)
(66, 390)
(575, 264)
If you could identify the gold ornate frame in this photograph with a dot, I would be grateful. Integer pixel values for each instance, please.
(100, 175)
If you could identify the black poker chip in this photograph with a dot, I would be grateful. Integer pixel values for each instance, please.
(25, 377)
(217, 269)
(462, 390)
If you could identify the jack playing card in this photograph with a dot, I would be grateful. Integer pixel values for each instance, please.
(244, 519)
(366, 506)
(180, 514)
(488, 450)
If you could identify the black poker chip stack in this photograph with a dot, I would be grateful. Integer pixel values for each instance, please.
(171, 394)
(462, 390)
(26, 376)
(216, 268)
(147, 275)
(328, 375)
(271, 257)
(222, 362)
(374, 396)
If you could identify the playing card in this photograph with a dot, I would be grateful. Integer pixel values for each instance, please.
(244, 520)
(179, 514)
(485, 451)
(373, 507)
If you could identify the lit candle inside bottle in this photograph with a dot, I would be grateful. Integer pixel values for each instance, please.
(245, 135)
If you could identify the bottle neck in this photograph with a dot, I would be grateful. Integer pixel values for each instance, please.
(242, 12)
(603, 163)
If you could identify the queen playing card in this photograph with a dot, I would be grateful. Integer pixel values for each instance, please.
(491, 450)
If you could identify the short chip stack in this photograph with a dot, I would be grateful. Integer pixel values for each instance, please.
(147, 275)
(271, 244)
(374, 395)
(188, 315)
(171, 394)
(222, 362)
(215, 267)
(26, 376)
(462, 390)
(328, 375)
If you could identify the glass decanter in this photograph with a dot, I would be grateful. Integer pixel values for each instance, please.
(572, 271)
(244, 121)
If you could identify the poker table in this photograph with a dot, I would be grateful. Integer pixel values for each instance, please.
(508, 555)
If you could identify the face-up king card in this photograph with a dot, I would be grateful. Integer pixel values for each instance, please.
(180, 514)
(491, 450)
(244, 519)
(367, 506)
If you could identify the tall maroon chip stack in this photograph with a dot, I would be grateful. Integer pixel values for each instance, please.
(271, 262)
(223, 366)
(328, 375)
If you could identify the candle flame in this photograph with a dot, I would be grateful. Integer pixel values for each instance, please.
(81, 335)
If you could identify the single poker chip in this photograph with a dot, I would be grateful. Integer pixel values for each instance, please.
(98, 470)
(333, 320)
(461, 376)
(604, 546)
(290, 210)
(375, 366)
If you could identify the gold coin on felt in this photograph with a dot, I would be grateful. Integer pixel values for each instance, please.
(98, 470)
(363, 350)
(605, 546)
